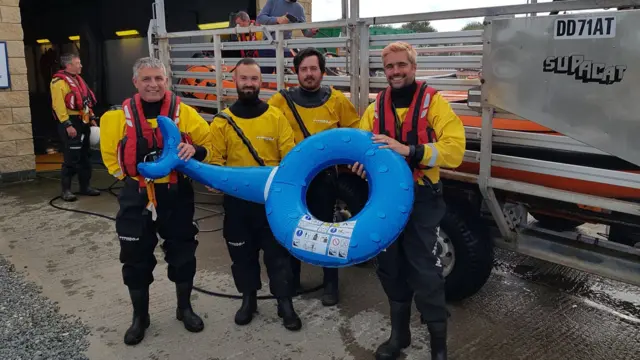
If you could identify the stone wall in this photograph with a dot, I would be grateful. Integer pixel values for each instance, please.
(17, 160)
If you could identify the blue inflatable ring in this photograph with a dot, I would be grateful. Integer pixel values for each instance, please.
(283, 191)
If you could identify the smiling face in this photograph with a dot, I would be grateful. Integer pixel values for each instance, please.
(151, 83)
(248, 79)
(309, 73)
(398, 68)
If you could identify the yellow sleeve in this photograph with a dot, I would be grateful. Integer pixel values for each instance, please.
(198, 130)
(218, 142)
(366, 122)
(277, 101)
(259, 36)
(349, 117)
(286, 140)
(112, 125)
(448, 150)
(58, 91)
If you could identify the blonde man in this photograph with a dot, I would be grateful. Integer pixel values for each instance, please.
(415, 121)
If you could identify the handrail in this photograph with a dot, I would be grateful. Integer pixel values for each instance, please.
(259, 28)
(492, 11)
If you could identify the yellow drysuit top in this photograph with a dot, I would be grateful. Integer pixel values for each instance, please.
(448, 150)
(319, 111)
(112, 130)
(269, 134)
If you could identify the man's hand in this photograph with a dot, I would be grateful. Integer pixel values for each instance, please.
(186, 151)
(313, 31)
(391, 144)
(358, 169)
(71, 131)
(282, 19)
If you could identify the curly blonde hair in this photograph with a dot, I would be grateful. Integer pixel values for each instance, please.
(401, 46)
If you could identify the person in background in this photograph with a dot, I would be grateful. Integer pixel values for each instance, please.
(163, 206)
(72, 103)
(414, 120)
(253, 133)
(310, 109)
(242, 19)
(280, 12)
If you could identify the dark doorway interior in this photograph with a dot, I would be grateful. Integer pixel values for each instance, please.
(106, 57)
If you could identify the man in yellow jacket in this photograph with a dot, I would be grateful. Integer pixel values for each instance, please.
(253, 133)
(166, 206)
(415, 121)
(310, 109)
(72, 101)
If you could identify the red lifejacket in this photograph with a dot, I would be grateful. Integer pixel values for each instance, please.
(249, 37)
(141, 140)
(80, 98)
(416, 128)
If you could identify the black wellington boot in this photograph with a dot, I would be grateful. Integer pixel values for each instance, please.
(66, 194)
(184, 312)
(400, 332)
(290, 319)
(89, 191)
(141, 321)
(330, 295)
(249, 306)
(438, 339)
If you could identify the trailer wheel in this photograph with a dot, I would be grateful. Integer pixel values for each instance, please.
(466, 255)
(556, 223)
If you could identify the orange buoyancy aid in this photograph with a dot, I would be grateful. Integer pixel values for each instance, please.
(80, 98)
(249, 37)
(415, 128)
(141, 141)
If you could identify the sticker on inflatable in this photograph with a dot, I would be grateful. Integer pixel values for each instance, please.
(323, 238)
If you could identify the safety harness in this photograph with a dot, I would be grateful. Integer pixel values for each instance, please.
(143, 143)
(415, 129)
(81, 98)
(242, 137)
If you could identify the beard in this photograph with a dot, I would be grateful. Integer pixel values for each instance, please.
(309, 83)
(248, 93)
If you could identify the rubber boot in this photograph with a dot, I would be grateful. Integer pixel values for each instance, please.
(400, 332)
(330, 296)
(290, 319)
(295, 270)
(89, 191)
(66, 194)
(249, 306)
(141, 321)
(438, 340)
(184, 311)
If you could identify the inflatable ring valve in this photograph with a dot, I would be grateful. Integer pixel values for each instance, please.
(283, 188)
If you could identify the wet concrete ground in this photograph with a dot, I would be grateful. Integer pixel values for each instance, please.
(527, 310)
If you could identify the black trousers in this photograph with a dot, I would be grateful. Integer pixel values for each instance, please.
(321, 199)
(75, 153)
(246, 231)
(410, 268)
(137, 232)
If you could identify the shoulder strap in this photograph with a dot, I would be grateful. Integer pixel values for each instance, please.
(296, 115)
(244, 139)
(412, 136)
(133, 107)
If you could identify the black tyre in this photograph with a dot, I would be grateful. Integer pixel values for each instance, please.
(556, 223)
(466, 254)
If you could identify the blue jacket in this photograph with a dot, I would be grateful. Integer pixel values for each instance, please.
(276, 8)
